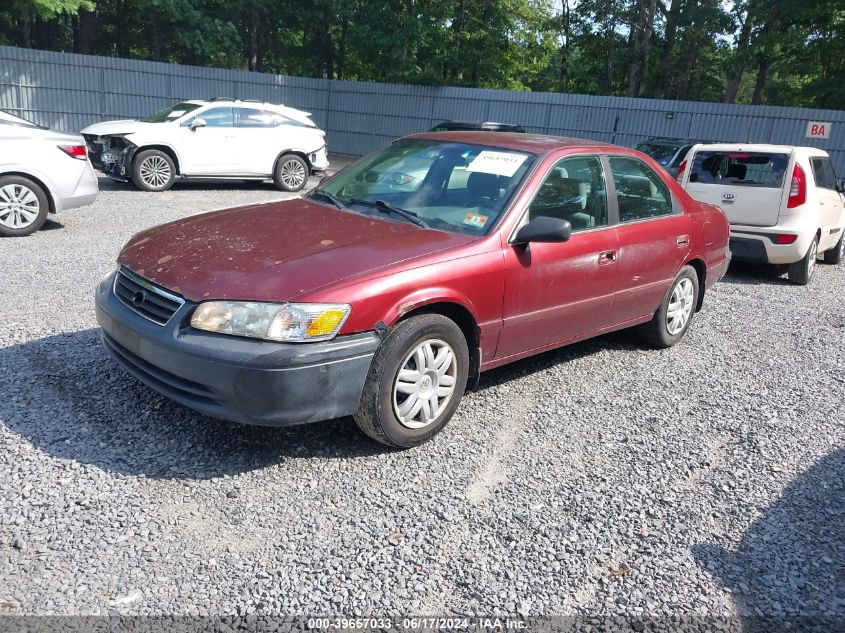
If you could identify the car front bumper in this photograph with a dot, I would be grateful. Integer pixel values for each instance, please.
(232, 378)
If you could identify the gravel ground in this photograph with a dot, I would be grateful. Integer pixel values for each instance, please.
(605, 478)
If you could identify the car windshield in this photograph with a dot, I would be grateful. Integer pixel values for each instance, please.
(458, 187)
(658, 151)
(172, 113)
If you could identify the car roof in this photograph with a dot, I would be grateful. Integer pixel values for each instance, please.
(533, 143)
(662, 140)
(751, 147)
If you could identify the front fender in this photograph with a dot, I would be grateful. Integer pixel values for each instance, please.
(428, 296)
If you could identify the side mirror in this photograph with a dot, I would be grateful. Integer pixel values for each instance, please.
(198, 122)
(544, 229)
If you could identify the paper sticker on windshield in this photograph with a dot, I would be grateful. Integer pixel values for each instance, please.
(497, 163)
(475, 219)
(175, 114)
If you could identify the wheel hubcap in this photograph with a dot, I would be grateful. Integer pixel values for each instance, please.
(424, 384)
(680, 306)
(293, 174)
(19, 206)
(155, 172)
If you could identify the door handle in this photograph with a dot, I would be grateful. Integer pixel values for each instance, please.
(683, 240)
(607, 257)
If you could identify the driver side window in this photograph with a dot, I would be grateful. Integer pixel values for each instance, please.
(574, 190)
(215, 117)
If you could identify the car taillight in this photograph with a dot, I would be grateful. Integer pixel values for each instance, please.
(75, 151)
(681, 169)
(785, 239)
(797, 189)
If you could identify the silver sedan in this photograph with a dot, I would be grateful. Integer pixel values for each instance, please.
(41, 172)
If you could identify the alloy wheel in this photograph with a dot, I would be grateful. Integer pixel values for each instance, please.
(155, 172)
(293, 174)
(680, 306)
(19, 206)
(424, 384)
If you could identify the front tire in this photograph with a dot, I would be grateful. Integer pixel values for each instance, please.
(153, 170)
(801, 271)
(23, 206)
(291, 173)
(675, 314)
(837, 253)
(416, 382)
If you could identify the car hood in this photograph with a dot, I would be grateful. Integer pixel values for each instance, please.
(126, 126)
(274, 252)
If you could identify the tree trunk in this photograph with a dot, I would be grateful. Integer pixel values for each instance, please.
(738, 67)
(341, 47)
(636, 42)
(610, 34)
(566, 31)
(664, 77)
(86, 33)
(760, 83)
(458, 38)
(122, 34)
(252, 42)
(648, 33)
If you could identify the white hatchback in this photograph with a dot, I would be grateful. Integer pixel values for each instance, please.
(221, 138)
(41, 171)
(784, 203)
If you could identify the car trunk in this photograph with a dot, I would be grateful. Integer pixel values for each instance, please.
(747, 186)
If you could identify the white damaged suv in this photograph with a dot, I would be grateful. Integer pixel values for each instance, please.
(784, 203)
(220, 138)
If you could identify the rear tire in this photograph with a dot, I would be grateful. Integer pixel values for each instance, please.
(837, 253)
(23, 206)
(416, 382)
(153, 170)
(291, 173)
(675, 314)
(801, 271)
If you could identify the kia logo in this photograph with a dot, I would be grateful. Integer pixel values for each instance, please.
(728, 196)
(138, 298)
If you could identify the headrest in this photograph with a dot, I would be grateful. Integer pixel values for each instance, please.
(737, 170)
(483, 185)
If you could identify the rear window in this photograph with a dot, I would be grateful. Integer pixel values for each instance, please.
(751, 169)
(663, 154)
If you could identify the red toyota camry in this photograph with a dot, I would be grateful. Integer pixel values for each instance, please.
(387, 290)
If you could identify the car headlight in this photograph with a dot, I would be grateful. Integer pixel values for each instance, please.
(297, 322)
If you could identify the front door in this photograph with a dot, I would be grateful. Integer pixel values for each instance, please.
(210, 150)
(654, 238)
(556, 292)
(830, 202)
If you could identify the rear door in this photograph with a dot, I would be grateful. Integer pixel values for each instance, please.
(747, 185)
(654, 238)
(830, 201)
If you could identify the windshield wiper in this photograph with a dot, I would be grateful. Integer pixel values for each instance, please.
(322, 193)
(384, 207)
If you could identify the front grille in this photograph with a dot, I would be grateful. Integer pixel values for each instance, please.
(145, 298)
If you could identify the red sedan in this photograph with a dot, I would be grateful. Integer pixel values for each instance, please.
(387, 290)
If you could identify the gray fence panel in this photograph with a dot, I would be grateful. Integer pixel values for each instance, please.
(68, 92)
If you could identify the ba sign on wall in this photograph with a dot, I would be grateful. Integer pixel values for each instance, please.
(818, 129)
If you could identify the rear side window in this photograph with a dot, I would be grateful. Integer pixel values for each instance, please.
(751, 169)
(250, 117)
(640, 193)
(823, 172)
